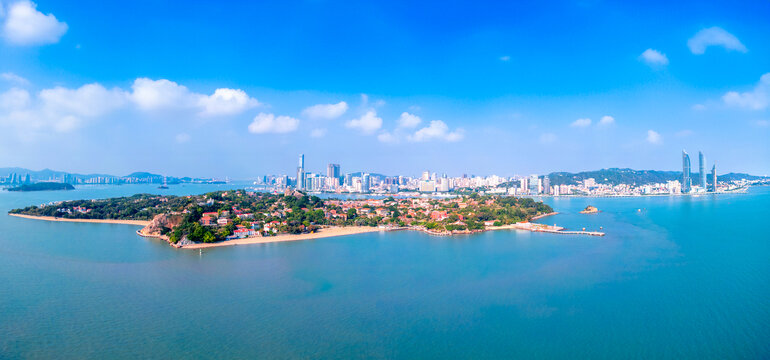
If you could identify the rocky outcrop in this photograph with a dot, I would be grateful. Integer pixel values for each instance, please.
(162, 221)
(590, 210)
(184, 242)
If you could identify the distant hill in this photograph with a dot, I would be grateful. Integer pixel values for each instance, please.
(44, 174)
(371, 175)
(615, 176)
(738, 176)
(73, 178)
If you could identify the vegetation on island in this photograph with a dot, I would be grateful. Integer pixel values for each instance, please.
(220, 215)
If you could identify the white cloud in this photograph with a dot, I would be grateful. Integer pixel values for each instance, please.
(24, 25)
(13, 78)
(225, 102)
(368, 123)
(654, 57)
(269, 123)
(58, 109)
(387, 137)
(14, 99)
(326, 111)
(437, 130)
(505, 58)
(757, 99)
(407, 120)
(182, 138)
(89, 100)
(151, 94)
(547, 138)
(606, 120)
(158, 95)
(318, 133)
(585, 122)
(63, 109)
(654, 137)
(714, 36)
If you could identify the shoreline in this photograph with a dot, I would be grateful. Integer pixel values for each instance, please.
(95, 221)
(544, 215)
(326, 232)
(320, 234)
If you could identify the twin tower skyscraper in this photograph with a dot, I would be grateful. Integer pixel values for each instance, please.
(702, 176)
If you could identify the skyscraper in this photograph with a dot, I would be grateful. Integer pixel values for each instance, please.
(365, 183)
(702, 168)
(333, 171)
(714, 178)
(534, 185)
(686, 183)
(546, 185)
(301, 172)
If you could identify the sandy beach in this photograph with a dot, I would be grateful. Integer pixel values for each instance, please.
(99, 221)
(322, 233)
(544, 215)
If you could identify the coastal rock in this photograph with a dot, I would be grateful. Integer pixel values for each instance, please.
(185, 242)
(590, 210)
(162, 221)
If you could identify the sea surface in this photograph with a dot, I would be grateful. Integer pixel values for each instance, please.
(675, 277)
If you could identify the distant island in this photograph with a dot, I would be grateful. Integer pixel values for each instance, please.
(590, 210)
(42, 186)
(19, 176)
(240, 216)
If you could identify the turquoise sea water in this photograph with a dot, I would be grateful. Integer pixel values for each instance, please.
(675, 277)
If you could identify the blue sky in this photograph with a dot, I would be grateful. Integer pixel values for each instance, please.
(209, 89)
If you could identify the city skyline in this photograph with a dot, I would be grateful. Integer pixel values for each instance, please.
(505, 91)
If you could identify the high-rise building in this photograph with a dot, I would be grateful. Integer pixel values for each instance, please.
(425, 176)
(333, 171)
(702, 168)
(427, 186)
(301, 172)
(546, 185)
(686, 182)
(534, 185)
(714, 178)
(365, 182)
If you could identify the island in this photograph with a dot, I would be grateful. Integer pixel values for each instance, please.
(43, 186)
(590, 210)
(243, 217)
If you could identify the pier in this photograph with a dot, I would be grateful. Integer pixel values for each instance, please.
(553, 229)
